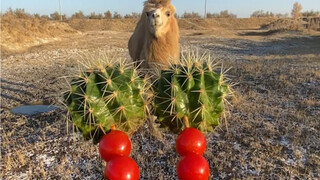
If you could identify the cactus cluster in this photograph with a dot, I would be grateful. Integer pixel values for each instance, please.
(107, 95)
(115, 94)
(191, 90)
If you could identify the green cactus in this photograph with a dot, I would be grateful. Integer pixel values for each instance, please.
(105, 96)
(190, 91)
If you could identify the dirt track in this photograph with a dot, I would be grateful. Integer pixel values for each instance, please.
(274, 123)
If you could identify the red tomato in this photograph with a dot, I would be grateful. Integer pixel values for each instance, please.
(193, 167)
(122, 168)
(191, 140)
(115, 143)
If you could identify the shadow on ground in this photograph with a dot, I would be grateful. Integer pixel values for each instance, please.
(282, 46)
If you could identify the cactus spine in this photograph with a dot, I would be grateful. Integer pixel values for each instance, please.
(107, 95)
(191, 90)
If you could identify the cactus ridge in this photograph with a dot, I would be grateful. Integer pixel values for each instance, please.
(105, 95)
(191, 89)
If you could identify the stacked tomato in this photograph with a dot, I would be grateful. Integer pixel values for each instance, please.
(191, 144)
(115, 148)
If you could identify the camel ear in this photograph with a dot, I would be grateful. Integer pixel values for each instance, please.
(173, 10)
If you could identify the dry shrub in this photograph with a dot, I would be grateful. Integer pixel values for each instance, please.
(194, 15)
(311, 13)
(93, 15)
(56, 16)
(78, 15)
(133, 15)
(286, 24)
(107, 15)
(261, 13)
(222, 14)
(227, 14)
(116, 15)
(17, 13)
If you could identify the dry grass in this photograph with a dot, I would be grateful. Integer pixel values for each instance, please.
(18, 34)
(223, 23)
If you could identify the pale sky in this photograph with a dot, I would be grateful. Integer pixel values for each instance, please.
(242, 8)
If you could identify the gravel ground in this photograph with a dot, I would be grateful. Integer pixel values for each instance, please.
(273, 123)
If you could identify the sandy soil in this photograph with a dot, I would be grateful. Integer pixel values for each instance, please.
(273, 123)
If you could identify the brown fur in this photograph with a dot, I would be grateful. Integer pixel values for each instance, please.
(160, 47)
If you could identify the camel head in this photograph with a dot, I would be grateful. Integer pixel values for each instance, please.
(159, 13)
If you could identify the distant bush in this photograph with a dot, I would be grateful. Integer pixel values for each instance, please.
(18, 13)
(191, 15)
(56, 16)
(285, 24)
(222, 14)
(213, 15)
(45, 17)
(37, 16)
(78, 15)
(226, 14)
(133, 15)
(107, 15)
(93, 15)
(311, 13)
(261, 13)
(116, 15)
(279, 15)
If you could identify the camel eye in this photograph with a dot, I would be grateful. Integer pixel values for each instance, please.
(168, 13)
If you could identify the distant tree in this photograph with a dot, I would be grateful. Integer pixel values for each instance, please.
(222, 14)
(93, 15)
(271, 14)
(191, 15)
(311, 13)
(132, 15)
(64, 17)
(258, 13)
(37, 16)
(279, 15)
(107, 15)
(261, 13)
(19, 13)
(127, 16)
(55, 16)
(296, 10)
(45, 17)
(78, 15)
(226, 14)
(116, 15)
(136, 15)
(9, 12)
(212, 15)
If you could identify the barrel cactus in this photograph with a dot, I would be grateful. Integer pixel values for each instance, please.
(190, 92)
(107, 95)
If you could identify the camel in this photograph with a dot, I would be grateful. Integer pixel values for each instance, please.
(155, 39)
